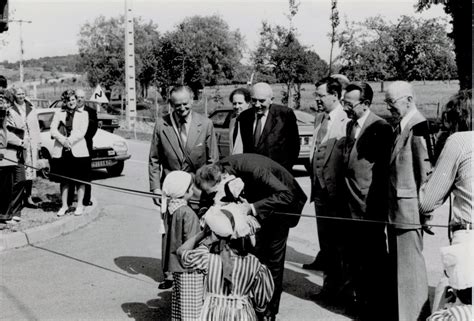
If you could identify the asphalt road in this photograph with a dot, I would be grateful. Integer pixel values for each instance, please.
(110, 269)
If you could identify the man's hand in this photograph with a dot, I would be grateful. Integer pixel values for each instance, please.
(67, 144)
(425, 220)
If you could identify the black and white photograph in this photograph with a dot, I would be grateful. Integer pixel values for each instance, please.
(241, 160)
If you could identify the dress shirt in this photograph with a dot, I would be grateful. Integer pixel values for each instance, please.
(263, 120)
(452, 173)
(360, 122)
(407, 118)
(177, 126)
(332, 115)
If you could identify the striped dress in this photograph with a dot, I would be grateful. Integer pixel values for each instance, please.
(252, 285)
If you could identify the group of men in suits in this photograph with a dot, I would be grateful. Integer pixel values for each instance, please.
(185, 140)
(367, 173)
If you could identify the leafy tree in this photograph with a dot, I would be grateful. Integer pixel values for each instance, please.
(101, 50)
(200, 51)
(279, 53)
(333, 35)
(409, 49)
(460, 12)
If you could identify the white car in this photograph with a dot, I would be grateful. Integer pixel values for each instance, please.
(109, 150)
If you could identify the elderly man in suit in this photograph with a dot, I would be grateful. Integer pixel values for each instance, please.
(269, 188)
(182, 140)
(269, 129)
(409, 167)
(367, 148)
(327, 180)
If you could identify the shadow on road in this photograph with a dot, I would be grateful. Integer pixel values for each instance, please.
(148, 266)
(302, 283)
(155, 309)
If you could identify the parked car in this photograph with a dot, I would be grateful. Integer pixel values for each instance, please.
(104, 121)
(221, 120)
(110, 151)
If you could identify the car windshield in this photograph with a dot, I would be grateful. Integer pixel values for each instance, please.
(44, 121)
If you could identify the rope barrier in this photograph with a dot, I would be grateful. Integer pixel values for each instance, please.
(158, 195)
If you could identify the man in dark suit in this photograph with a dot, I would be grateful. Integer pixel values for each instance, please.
(269, 188)
(367, 148)
(409, 167)
(326, 184)
(182, 140)
(269, 129)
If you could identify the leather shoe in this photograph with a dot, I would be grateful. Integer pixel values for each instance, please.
(166, 284)
(87, 203)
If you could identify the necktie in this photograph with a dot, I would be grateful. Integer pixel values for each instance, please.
(353, 127)
(258, 130)
(323, 129)
(182, 132)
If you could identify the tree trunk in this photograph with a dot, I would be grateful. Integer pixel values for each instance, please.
(290, 98)
(461, 11)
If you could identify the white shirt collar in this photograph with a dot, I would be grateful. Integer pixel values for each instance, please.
(407, 118)
(336, 111)
(361, 120)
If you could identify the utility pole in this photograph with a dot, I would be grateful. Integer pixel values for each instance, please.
(131, 108)
(21, 46)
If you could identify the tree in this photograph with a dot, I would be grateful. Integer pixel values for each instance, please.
(279, 53)
(460, 12)
(200, 51)
(101, 50)
(333, 35)
(408, 49)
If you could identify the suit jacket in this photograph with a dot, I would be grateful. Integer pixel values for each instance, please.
(409, 167)
(268, 186)
(79, 128)
(280, 139)
(332, 156)
(91, 128)
(167, 153)
(366, 168)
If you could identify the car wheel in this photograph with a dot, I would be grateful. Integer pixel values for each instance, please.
(116, 169)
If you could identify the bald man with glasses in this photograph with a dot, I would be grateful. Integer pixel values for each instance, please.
(409, 167)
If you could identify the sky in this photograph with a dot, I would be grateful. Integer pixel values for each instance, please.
(55, 24)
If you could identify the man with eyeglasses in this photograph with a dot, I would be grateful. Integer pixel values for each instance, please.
(408, 169)
(269, 129)
(367, 148)
(327, 180)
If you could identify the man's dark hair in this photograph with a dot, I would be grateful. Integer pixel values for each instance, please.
(458, 111)
(210, 174)
(366, 92)
(333, 86)
(240, 91)
(3, 82)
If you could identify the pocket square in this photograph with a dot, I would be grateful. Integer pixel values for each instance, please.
(199, 145)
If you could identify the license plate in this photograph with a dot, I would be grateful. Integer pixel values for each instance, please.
(101, 163)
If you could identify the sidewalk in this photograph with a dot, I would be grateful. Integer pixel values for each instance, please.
(49, 230)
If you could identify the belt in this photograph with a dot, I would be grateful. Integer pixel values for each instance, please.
(465, 226)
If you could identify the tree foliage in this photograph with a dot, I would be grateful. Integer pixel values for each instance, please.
(101, 50)
(460, 12)
(408, 49)
(200, 51)
(281, 55)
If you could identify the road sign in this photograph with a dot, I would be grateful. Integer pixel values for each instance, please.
(98, 95)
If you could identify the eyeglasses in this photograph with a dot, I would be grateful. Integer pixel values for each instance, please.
(349, 105)
(392, 102)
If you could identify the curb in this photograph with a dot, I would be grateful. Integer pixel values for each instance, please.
(48, 231)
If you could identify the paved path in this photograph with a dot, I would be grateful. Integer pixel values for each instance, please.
(109, 270)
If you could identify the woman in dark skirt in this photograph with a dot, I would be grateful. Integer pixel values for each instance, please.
(70, 158)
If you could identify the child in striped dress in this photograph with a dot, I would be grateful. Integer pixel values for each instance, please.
(181, 223)
(238, 286)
